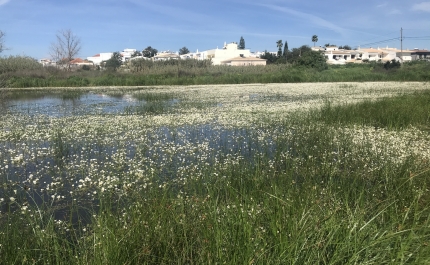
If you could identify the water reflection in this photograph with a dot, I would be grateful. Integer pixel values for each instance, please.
(67, 104)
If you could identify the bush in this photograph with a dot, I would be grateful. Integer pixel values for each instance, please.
(393, 64)
(18, 63)
(313, 59)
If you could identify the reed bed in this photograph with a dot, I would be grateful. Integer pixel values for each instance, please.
(189, 72)
(233, 174)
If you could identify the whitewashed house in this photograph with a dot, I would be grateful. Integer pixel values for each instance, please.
(230, 54)
(47, 62)
(126, 54)
(165, 56)
(244, 61)
(195, 55)
(229, 51)
(404, 55)
(98, 58)
(334, 55)
(418, 54)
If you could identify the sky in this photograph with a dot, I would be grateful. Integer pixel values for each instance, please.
(112, 25)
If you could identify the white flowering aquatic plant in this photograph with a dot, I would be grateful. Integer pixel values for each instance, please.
(226, 165)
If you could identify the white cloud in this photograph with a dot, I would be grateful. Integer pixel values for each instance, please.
(382, 5)
(2, 2)
(423, 6)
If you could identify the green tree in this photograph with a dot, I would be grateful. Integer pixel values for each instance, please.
(136, 54)
(241, 44)
(183, 50)
(114, 62)
(2, 48)
(285, 50)
(314, 39)
(297, 53)
(393, 64)
(279, 45)
(270, 57)
(313, 59)
(345, 47)
(149, 52)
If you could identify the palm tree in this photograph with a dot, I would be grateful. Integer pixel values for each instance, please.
(279, 45)
(314, 39)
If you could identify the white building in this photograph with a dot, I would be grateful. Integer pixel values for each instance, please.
(244, 61)
(47, 62)
(98, 58)
(227, 52)
(126, 54)
(335, 55)
(165, 56)
(228, 55)
(195, 55)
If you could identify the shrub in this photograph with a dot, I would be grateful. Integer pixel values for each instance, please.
(393, 64)
(18, 63)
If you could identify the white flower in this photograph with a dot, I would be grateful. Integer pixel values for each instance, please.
(12, 199)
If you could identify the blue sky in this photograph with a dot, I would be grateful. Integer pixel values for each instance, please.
(112, 25)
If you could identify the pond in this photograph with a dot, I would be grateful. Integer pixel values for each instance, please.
(65, 147)
(61, 105)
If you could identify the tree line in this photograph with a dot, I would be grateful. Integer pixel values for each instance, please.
(302, 56)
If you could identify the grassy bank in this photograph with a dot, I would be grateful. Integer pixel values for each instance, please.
(170, 74)
(258, 174)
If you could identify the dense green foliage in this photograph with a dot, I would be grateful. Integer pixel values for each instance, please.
(183, 50)
(2, 36)
(114, 62)
(313, 59)
(314, 39)
(241, 45)
(13, 64)
(149, 52)
(303, 65)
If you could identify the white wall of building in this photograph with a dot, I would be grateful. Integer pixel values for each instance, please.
(97, 59)
(227, 52)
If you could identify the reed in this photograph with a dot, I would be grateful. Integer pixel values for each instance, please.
(231, 174)
(196, 73)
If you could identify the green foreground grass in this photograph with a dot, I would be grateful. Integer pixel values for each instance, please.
(308, 201)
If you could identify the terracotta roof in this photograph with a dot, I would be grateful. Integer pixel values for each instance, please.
(247, 59)
(77, 60)
(80, 61)
(371, 50)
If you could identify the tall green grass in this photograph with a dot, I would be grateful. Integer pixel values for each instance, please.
(307, 202)
(393, 113)
(171, 74)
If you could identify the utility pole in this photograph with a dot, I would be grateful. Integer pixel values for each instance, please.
(401, 45)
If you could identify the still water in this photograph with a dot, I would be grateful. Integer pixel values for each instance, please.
(59, 105)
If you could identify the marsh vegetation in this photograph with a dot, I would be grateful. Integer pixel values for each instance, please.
(328, 173)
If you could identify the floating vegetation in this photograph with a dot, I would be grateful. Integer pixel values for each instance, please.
(210, 174)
